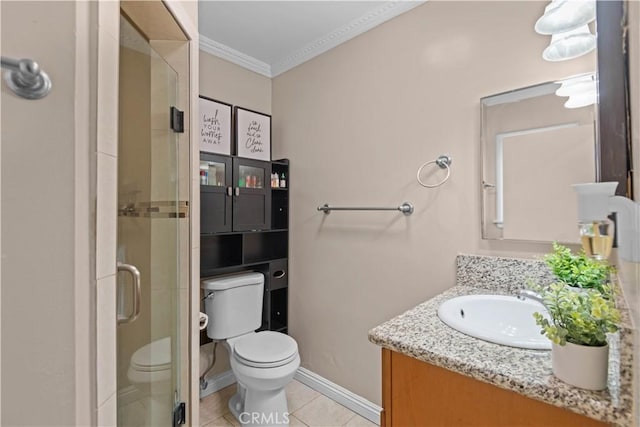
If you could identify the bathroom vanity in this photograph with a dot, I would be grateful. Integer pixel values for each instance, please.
(416, 393)
(436, 376)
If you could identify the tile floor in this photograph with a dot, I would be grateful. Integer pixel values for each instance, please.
(307, 407)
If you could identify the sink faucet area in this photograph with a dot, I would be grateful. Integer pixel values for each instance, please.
(483, 330)
(500, 319)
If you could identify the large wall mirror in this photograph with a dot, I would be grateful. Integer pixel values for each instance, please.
(533, 149)
(536, 142)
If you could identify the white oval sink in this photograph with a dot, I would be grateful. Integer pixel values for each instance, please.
(499, 319)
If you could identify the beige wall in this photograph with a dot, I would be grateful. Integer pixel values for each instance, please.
(356, 123)
(41, 163)
(227, 82)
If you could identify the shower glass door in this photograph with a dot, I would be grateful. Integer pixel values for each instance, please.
(148, 214)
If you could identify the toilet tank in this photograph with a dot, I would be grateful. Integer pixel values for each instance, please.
(233, 304)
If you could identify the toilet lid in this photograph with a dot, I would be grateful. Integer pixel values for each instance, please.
(266, 348)
(155, 356)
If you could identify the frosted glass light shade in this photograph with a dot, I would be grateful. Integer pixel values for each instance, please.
(582, 90)
(577, 84)
(570, 45)
(582, 99)
(565, 15)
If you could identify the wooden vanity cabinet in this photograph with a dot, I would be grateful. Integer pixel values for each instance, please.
(415, 393)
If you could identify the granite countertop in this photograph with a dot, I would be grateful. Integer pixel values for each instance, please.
(420, 334)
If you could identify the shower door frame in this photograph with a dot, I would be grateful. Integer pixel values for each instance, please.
(102, 382)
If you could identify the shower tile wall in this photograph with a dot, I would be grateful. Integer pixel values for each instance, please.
(106, 209)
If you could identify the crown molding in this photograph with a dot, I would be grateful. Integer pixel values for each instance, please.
(235, 56)
(387, 11)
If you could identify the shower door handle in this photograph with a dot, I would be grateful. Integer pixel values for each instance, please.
(135, 274)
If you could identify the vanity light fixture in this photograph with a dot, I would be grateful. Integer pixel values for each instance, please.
(582, 99)
(576, 84)
(570, 44)
(565, 15)
(567, 21)
(582, 90)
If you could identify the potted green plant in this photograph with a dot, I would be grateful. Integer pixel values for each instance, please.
(577, 325)
(578, 270)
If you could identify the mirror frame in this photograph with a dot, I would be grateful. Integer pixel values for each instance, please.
(614, 136)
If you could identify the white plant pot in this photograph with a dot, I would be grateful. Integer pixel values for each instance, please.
(580, 365)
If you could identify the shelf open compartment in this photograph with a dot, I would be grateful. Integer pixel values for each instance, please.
(278, 320)
(220, 250)
(258, 247)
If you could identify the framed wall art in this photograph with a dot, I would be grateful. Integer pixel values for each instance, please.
(253, 134)
(215, 126)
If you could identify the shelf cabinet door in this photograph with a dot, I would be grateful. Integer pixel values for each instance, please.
(216, 185)
(252, 195)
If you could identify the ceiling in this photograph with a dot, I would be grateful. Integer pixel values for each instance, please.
(271, 37)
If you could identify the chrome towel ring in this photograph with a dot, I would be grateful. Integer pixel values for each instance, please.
(443, 161)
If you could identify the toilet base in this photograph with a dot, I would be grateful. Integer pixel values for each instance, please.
(264, 408)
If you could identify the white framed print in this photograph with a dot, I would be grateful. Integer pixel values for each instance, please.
(253, 134)
(215, 126)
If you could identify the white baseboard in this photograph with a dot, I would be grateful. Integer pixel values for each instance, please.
(218, 382)
(357, 404)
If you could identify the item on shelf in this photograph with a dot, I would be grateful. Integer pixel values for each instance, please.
(274, 180)
(203, 177)
(283, 180)
(212, 176)
(241, 182)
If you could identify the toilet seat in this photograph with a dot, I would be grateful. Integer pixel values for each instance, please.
(265, 349)
(153, 357)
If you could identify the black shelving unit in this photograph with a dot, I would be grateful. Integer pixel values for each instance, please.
(245, 227)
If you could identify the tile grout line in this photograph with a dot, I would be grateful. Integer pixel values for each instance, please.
(352, 417)
(302, 422)
(300, 408)
(353, 414)
(224, 416)
(226, 407)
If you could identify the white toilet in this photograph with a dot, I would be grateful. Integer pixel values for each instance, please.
(263, 362)
(150, 370)
(151, 363)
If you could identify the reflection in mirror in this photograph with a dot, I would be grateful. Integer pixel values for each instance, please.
(536, 142)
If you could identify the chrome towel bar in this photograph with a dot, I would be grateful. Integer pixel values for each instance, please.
(406, 208)
(25, 78)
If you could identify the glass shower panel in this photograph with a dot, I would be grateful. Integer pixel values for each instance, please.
(148, 365)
